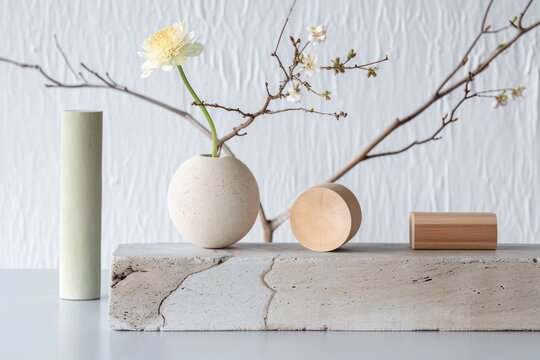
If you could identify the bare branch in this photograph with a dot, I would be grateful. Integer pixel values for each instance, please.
(304, 47)
(337, 115)
(494, 90)
(110, 79)
(66, 60)
(445, 121)
(465, 57)
(280, 219)
(496, 31)
(284, 26)
(226, 108)
(522, 15)
(97, 75)
(31, 66)
(486, 13)
(82, 76)
(275, 53)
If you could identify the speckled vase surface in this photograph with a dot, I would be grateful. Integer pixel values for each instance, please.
(213, 202)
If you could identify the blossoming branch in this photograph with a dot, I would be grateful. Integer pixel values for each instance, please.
(295, 83)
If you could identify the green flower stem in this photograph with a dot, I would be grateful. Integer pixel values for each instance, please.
(203, 109)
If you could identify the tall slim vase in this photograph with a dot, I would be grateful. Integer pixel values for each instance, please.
(80, 205)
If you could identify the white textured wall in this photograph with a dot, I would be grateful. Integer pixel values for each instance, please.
(488, 161)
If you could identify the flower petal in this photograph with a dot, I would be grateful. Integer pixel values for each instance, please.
(180, 60)
(169, 47)
(193, 49)
(148, 67)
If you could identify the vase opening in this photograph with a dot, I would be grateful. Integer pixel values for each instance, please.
(219, 157)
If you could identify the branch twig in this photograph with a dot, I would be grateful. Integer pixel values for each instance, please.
(218, 106)
(66, 60)
(337, 115)
(357, 66)
(284, 26)
(445, 121)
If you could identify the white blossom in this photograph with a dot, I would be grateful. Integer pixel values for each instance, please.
(294, 94)
(317, 34)
(310, 63)
(500, 100)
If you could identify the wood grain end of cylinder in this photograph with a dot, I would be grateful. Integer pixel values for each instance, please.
(325, 217)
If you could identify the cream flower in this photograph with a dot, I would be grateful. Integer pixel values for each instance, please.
(317, 34)
(294, 94)
(310, 63)
(168, 48)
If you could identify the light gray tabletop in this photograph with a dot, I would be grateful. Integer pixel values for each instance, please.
(36, 324)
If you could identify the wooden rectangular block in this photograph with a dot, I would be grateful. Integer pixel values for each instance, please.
(168, 287)
(452, 231)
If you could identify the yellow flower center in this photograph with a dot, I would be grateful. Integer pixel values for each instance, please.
(164, 41)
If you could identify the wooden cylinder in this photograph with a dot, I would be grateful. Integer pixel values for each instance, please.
(80, 205)
(453, 231)
(325, 217)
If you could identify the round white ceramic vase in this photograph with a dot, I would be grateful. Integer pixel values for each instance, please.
(213, 202)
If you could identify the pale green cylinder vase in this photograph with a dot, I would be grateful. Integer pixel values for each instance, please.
(80, 205)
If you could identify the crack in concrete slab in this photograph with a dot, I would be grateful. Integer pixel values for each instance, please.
(216, 262)
(273, 291)
(116, 278)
